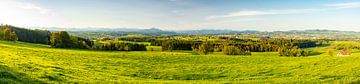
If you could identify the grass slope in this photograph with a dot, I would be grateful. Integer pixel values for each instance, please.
(9, 77)
(41, 63)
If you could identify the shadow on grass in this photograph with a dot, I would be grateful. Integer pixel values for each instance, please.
(324, 45)
(315, 53)
(24, 44)
(9, 77)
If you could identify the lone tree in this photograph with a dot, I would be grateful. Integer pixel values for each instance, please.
(61, 40)
(234, 50)
(205, 48)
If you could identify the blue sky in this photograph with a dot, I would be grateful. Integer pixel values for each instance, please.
(264, 15)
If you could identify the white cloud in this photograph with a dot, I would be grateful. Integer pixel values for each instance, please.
(26, 15)
(243, 13)
(345, 5)
(246, 13)
(30, 6)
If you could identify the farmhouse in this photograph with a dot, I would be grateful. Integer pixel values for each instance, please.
(344, 53)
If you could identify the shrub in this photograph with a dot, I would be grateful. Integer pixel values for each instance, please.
(118, 46)
(205, 48)
(293, 51)
(7, 34)
(63, 40)
(330, 52)
(233, 50)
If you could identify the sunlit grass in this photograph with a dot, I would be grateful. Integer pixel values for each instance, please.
(39, 62)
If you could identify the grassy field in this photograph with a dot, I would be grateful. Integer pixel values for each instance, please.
(25, 62)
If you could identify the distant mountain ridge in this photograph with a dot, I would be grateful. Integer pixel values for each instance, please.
(214, 31)
(112, 30)
(150, 31)
(158, 31)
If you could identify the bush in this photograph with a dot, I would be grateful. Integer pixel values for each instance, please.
(7, 34)
(330, 52)
(63, 40)
(293, 51)
(118, 46)
(233, 50)
(170, 45)
(205, 48)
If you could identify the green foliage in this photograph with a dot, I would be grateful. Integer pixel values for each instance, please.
(330, 52)
(170, 45)
(120, 46)
(345, 45)
(305, 52)
(63, 40)
(12, 33)
(32, 36)
(233, 50)
(7, 34)
(293, 51)
(205, 48)
(136, 39)
(267, 45)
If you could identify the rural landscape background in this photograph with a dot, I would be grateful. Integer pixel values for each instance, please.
(179, 41)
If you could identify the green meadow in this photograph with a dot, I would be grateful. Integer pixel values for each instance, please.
(36, 63)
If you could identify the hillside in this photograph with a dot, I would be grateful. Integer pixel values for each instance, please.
(298, 34)
(39, 62)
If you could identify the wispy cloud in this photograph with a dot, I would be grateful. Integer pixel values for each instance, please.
(173, 0)
(246, 13)
(243, 13)
(30, 6)
(345, 5)
(27, 14)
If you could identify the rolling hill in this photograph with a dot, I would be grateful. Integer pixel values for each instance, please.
(39, 63)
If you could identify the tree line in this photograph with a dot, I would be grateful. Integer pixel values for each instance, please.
(63, 39)
(271, 45)
(285, 47)
(12, 33)
(120, 46)
(294, 51)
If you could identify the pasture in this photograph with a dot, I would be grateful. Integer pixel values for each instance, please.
(25, 62)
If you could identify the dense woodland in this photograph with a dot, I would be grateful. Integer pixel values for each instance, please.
(25, 35)
(288, 46)
(119, 46)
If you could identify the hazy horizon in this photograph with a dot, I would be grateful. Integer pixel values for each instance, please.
(260, 15)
